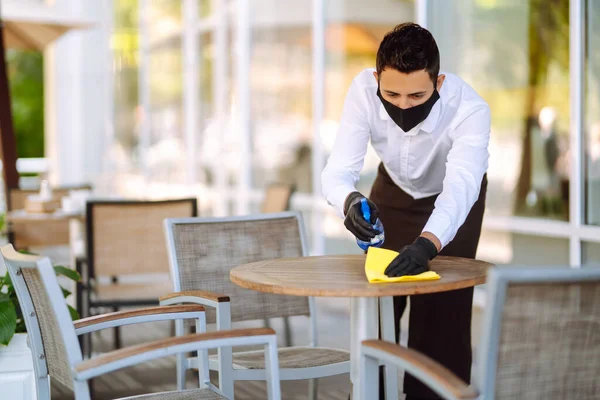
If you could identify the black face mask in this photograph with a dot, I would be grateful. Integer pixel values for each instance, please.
(408, 118)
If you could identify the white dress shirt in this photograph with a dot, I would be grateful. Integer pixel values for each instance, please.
(446, 154)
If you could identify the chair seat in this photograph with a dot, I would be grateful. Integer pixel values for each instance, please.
(290, 357)
(194, 394)
(129, 291)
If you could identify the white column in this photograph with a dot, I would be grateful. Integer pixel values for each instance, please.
(576, 72)
(77, 95)
(191, 89)
(318, 101)
(421, 12)
(242, 65)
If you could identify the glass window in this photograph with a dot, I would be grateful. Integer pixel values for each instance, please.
(127, 112)
(163, 23)
(166, 156)
(512, 248)
(205, 8)
(591, 253)
(592, 114)
(353, 32)
(281, 94)
(208, 142)
(516, 55)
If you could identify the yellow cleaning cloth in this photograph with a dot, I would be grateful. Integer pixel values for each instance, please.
(378, 260)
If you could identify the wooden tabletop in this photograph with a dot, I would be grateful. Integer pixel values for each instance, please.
(22, 215)
(344, 276)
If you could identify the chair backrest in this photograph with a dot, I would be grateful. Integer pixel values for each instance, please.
(540, 338)
(277, 198)
(26, 234)
(126, 237)
(202, 251)
(50, 328)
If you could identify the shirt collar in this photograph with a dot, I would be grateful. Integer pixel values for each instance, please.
(430, 122)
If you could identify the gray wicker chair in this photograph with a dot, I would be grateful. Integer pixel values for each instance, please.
(57, 354)
(202, 251)
(540, 340)
(277, 199)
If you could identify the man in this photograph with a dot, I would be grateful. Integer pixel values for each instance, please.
(431, 132)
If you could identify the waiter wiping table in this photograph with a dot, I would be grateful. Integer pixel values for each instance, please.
(431, 131)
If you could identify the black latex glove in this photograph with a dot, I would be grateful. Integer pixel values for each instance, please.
(355, 221)
(413, 259)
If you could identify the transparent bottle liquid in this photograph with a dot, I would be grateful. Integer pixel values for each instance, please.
(378, 240)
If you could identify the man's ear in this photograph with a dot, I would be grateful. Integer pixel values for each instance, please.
(376, 76)
(440, 81)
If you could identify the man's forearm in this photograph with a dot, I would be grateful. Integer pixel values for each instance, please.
(434, 239)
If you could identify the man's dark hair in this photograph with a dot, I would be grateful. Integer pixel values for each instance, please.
(409, 48)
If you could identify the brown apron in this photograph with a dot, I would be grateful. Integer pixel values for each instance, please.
(440, 323)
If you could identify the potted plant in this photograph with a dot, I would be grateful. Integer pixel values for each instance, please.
(16, 363)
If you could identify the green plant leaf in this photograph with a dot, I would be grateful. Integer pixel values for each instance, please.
(8, 281)
(21, 328)
(26, 252)
(73, 312)
(8, 319)
(68, 272)
(66, 293)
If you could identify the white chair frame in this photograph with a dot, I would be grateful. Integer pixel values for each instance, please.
(223, 311)
(82, 370)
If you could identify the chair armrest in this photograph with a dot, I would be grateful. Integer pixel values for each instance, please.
(128, 317)
(194, 296)
(115, 360)
(218, 301)
(428, 371)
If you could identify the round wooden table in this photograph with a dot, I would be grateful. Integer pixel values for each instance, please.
(344, 276)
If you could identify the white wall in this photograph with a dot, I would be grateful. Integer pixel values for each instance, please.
(78, 95)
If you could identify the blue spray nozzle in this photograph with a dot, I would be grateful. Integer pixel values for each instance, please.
(366, 211)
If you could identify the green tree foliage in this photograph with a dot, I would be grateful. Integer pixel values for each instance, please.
(26, 80)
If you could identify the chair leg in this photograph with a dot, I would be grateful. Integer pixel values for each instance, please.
(91, 386)
(313, 389)
(117, 333)
(88, 336)
(79, 305)
(287, 331)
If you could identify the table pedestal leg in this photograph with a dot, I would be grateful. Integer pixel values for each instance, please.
(388, 333)
(364, 319)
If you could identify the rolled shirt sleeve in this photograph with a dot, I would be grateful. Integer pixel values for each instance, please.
(466, 164)
(342, 171)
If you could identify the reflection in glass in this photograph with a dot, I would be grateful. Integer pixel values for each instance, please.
(207, 137)
(281, 105)
(592, 114)
(353, 33)
(516, 55)
(204, 8)
(127, 113)
(590, 253)
(512, 248)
